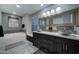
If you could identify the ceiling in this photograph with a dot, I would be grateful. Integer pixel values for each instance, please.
(24, 8)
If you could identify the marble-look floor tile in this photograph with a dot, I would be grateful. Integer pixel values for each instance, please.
(23, 49)
(39, 52)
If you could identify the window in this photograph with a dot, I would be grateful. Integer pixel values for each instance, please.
(13, 22)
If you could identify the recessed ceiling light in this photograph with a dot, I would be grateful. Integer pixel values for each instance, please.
(18, 6)
(14, 12)
(42, 4)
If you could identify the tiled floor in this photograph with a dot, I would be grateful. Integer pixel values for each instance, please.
(23, 49)
(39, 52)
(27, 48)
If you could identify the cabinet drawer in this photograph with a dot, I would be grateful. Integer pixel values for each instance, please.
(73, 42)
(44, 36)
(44, 41)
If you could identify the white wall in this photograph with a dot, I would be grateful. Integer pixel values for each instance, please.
(27, 20)
(5, 22)
(0, 18)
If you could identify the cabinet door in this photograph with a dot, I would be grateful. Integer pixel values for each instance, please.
(35, 43)
(35, 39)
(47, 42)
(73, 46)
(73, 49)
(62, 46)
(59, 46)
(65, 48)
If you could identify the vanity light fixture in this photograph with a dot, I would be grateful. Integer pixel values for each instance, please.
(48, 13)
(44, 14)
(18, 6)
(58, 9)
(52, 11)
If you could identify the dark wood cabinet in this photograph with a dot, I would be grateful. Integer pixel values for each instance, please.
(35, 39)
(53, 44)
(62, 46)
(73, 46)
(30, 38)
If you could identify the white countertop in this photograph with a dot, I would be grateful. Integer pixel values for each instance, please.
(30, 35)
(71, 36)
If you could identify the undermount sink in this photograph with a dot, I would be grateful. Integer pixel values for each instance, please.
(65, 34)
(74, 35)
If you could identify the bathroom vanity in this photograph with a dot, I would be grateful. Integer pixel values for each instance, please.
(56, 43)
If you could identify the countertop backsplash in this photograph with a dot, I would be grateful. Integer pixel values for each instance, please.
(63, 29)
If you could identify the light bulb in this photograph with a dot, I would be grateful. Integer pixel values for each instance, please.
(58, 9)
(44, 14)
(48, 13)
(52, 11)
